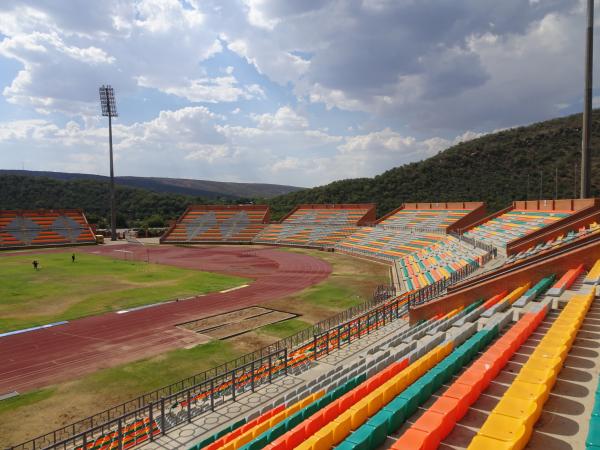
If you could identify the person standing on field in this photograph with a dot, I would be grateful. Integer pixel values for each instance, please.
(73, 257)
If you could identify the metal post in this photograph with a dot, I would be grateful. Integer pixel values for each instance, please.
(339, 328)
(163, 421)
(189, 406)
(587, 102)
(556, 183)
(270, 369)
(315, 346)
(233, 385)
(151, 416)
(358, 328)
(113, 211)
(252, 376)
(285, 359)
(120, 434)
(212, 395)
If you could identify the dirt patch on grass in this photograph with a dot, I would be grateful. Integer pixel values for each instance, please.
(352, 281)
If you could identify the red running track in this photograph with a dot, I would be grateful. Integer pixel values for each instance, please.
(39, 358)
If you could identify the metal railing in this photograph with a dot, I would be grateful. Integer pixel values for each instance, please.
(474, 242)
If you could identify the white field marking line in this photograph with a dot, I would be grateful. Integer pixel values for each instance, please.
(233, 289)
(124, 251)
(124, 311)
(8, 395)
(26, 330)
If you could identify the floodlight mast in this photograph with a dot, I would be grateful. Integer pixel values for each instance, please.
(587, 108)
(109, 109)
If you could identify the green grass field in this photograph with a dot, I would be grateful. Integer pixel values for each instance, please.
(62, 290)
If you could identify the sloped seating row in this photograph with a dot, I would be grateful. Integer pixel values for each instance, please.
(132, 434)
(510, 424)
(566, 281)
(424, 218)
(218, 223)
(304, 235)
(506, 301)
(326, 216)
(366, 402)
(44, 228)
(593, 228)
(374, 431)
(427, 432)
(592, 441)
(541, 286)
(254, 437)
(384, 244)
(235, 430)
(593, 276)
(513, 225)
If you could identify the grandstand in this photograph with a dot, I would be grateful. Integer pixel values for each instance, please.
(433, 216)
(44, 228)
(573, 236)
(413, 238)
(524, 219)
(412, 387)
(437, 262)
(317, 226)
(402, 373)
(220, 224)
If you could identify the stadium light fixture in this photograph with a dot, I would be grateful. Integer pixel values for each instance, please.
(109, 109)
(587, 108)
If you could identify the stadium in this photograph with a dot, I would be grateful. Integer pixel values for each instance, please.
(381, 255)
(480, 339)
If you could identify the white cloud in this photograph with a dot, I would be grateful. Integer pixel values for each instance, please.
(194, 142)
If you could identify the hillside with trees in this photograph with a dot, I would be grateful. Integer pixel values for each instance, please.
(498, 168)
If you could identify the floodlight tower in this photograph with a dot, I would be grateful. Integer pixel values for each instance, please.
(587, 107)
(109, 109)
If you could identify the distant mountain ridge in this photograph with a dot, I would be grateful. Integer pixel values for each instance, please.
(198, 188)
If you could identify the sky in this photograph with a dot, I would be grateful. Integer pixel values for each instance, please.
(297, 92)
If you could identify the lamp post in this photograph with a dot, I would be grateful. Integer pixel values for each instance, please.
(109, 109)
(587, 106)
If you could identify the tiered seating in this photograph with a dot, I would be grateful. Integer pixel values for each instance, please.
(591, 229)
(132, 434)
(511, 422)
(424, 218)
(354, 411)
(314, 227)
(435, 262)
(380, 243)
(44, 228)
(218, 223)
(439, 419)
(513, 225)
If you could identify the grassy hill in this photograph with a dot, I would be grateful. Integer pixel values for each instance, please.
(197, 188)
(493, 168)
